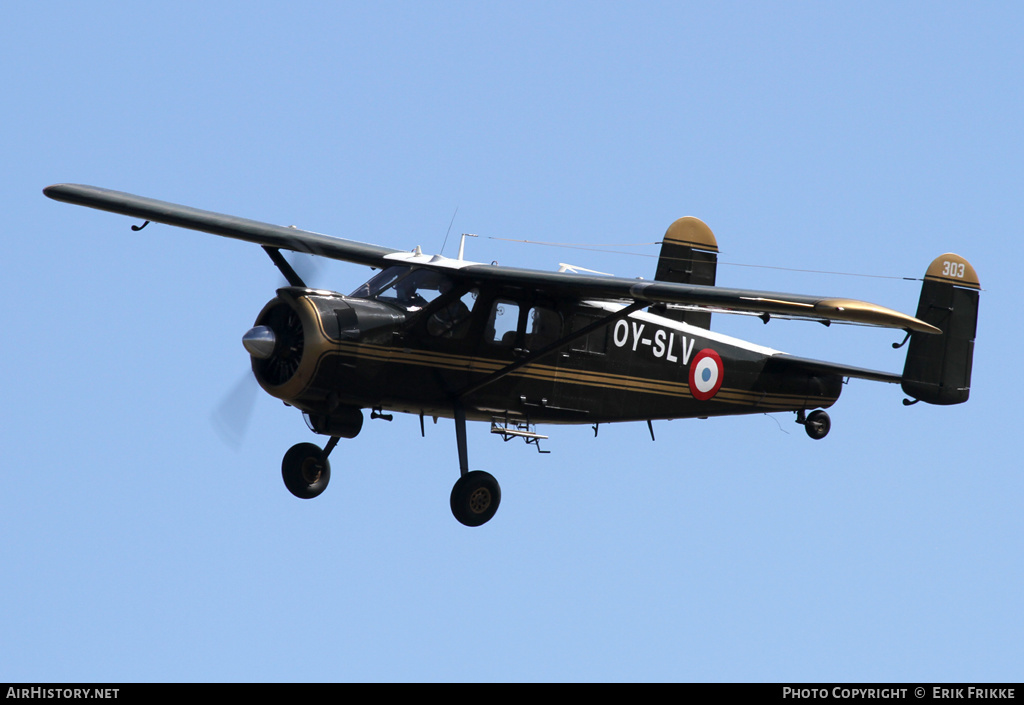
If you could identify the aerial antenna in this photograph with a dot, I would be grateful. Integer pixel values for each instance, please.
(563, 267)
(449, 230)
(462, 243)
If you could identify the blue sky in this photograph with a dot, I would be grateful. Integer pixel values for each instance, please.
(863, 138)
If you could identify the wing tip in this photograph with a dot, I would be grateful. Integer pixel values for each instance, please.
(68, 193)
(872, 314)
(54, 191)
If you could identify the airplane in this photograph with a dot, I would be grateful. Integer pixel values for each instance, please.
(512, 347)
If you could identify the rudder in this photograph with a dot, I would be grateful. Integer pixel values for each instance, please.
(938, 367)
(689, 255)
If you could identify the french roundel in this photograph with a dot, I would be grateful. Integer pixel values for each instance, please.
(706, 374)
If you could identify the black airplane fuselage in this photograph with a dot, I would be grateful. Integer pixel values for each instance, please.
(514, 355)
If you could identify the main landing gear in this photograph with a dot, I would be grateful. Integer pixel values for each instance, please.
(475, 496)
(817, 423)
(306, 470)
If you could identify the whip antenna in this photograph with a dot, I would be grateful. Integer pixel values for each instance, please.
(449, 229)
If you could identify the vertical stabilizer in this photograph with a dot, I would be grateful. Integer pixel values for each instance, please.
(689, 255)
(938, 367)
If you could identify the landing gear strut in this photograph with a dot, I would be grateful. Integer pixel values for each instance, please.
(817, 423)
(476, 494)
(306, 470)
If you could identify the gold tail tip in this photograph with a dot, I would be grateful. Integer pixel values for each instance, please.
(692, 232)
(951, 268)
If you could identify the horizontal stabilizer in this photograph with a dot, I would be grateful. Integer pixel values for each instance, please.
(821, 367)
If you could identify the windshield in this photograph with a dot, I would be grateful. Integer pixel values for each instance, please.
(411, 289)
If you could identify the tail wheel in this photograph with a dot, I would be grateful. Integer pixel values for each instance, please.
(475, 498)
(305, 470)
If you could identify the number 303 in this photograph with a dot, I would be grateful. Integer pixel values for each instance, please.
(953, 269)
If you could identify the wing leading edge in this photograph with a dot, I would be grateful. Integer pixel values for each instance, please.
(218, 224)
(566, 284)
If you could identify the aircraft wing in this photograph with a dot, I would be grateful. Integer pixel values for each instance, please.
(218, 224)
(556, 283)
(656, 292)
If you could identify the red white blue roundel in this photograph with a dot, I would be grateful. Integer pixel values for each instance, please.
(706, 374)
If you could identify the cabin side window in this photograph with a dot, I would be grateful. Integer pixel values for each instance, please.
(594, 342)
(503, 323)
(544, 326)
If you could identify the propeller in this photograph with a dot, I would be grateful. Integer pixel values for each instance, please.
(307, 266)
(232, 415)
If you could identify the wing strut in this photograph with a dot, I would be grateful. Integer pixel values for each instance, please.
(553, 347)
(286, 269)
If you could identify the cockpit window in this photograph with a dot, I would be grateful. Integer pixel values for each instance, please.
(410, 288)
(379, 283)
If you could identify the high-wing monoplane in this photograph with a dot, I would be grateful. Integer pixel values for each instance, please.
(441, 337)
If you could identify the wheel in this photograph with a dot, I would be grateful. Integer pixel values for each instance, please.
(818, 424)
(305, 471)
(475, 498)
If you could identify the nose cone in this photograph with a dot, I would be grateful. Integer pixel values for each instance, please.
(260, 342)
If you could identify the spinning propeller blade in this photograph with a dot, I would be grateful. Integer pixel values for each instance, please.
(232, 415)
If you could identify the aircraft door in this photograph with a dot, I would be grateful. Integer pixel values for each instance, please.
(574, 385)
(515, 330)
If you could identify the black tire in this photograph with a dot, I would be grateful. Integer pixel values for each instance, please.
(475, 498)
(305, 471)
(818, 424)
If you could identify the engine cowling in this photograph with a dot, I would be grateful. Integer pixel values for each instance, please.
(300, 346)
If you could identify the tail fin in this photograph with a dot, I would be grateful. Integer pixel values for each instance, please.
(938, 367)
(689, 255)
